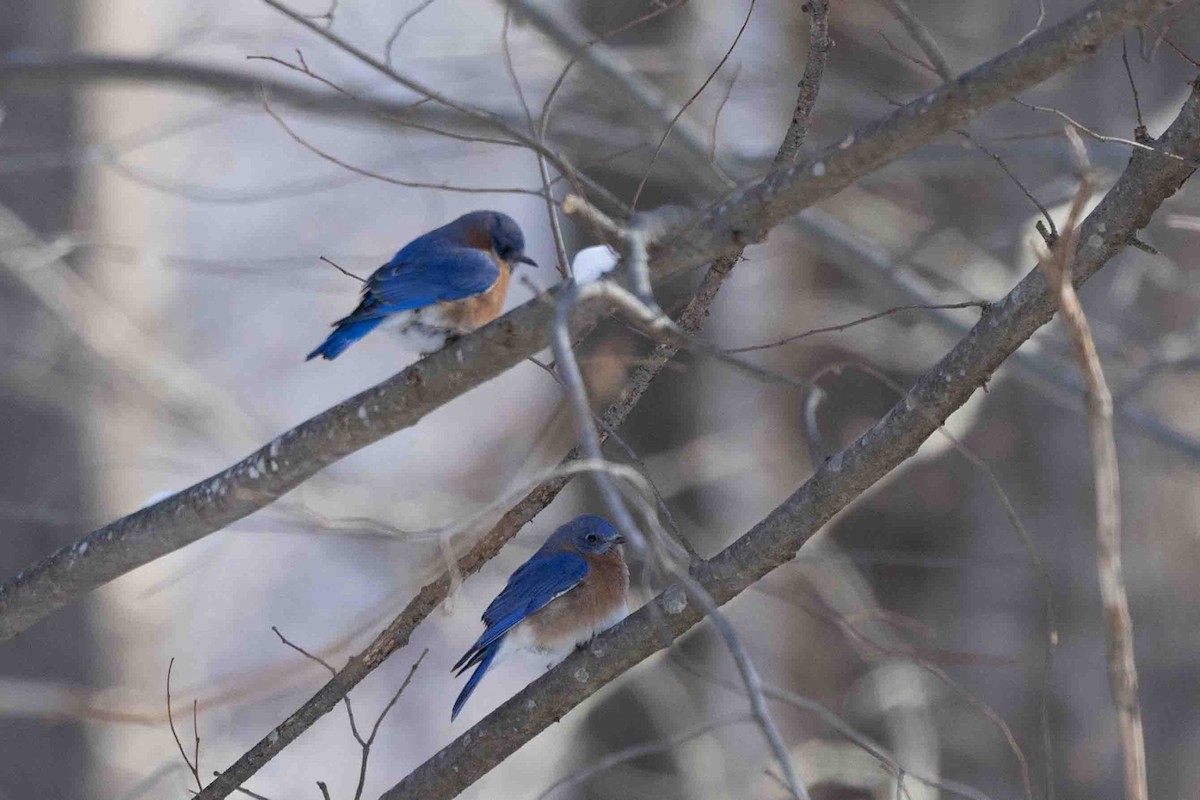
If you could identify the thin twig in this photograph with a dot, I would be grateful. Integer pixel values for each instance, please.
(843, 728)
(247, 792)
(671, 126)
(1036, 25)
(1122, 670)
(366, 746)
(922, 36)
(1100, 137)
(444, 187)
(580, 48)
(387, 48)
(941, 67)
(193, 767)
(441, 98)
(712, 132)
(563, 261)
(342, 269)
(980, 304)
(1140, 131)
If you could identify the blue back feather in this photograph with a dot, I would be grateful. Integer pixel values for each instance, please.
(545, 576)
(443, 265)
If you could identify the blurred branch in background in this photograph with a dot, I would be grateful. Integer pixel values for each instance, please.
(109, 333)
(1122, 670)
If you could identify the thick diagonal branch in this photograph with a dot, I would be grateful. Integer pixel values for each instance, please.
(403, 400)
(1148, 181)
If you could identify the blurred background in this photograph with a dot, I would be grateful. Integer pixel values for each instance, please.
(160, 284)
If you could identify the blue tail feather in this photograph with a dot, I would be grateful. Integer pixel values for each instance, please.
(489, 655)
(345, 333)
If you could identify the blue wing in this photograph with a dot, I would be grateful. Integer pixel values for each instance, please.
(423, 273)
(535, 583)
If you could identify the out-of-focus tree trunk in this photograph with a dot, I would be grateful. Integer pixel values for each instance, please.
(44, 469)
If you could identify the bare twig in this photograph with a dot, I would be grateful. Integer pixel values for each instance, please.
(980, 304)
(443, 186)
(563, 264)
(577, 45)
(712, 131)
(671, 126)
(1122, 670)
(473, 112)
(363, 743)
(941, 67)
(303, 68)
(342, 269)
(1100, 137)
(192, 765)
(922, 36)
(387, 48)
(843, 728)
(1037, 25)
(1140, 131)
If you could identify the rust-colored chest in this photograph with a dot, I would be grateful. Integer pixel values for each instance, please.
(587, 609)
(473, 312)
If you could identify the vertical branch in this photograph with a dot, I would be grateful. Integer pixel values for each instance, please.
(560, 247)
(1122, 672)
(193, 766)
(819, 45)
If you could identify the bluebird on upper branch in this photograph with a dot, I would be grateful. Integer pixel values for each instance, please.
(449, 281)
(571, 589)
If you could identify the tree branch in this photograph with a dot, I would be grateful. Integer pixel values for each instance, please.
(1148, 180)
(397, 634)
(1122, 670)
(401, 401)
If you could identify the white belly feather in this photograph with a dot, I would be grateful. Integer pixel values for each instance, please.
(521, 639)
(422, 330)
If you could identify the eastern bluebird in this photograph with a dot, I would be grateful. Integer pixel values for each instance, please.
(572, 588)
(449, 281)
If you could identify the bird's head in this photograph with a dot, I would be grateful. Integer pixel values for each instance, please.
(589, 534)
(507, 240)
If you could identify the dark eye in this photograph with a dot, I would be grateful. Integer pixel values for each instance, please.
(592, 538)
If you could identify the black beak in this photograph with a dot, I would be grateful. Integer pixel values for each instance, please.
(619, 540)
(527, 260)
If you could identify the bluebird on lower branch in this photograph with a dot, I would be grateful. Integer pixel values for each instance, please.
(571, 589)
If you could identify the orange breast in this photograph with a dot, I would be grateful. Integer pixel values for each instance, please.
(471, 313)
(579, 614)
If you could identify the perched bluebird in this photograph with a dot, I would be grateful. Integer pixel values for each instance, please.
(571, 589)
(449, 281)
